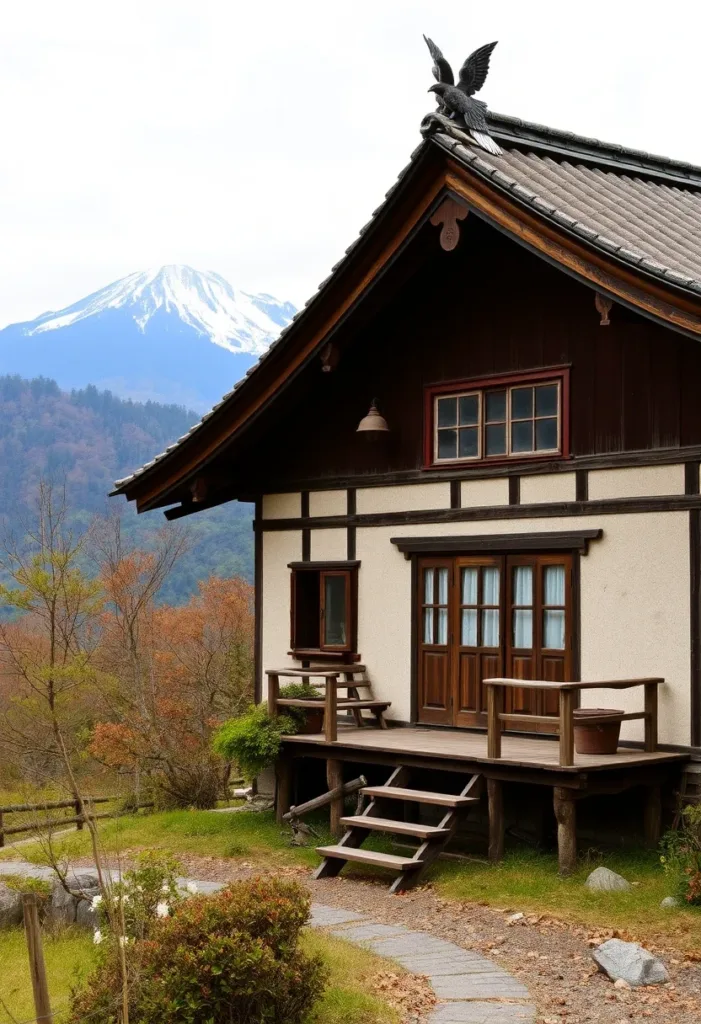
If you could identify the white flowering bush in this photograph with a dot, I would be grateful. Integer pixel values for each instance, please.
(148, 892)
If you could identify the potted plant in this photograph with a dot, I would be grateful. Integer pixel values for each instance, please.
(597, 736)
(308, 720)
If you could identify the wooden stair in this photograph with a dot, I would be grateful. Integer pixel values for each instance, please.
(432, 838)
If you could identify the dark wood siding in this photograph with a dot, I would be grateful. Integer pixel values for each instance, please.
(489, 307)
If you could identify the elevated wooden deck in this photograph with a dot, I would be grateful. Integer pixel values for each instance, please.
(523, 758)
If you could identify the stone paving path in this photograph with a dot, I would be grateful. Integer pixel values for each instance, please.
(471, 988)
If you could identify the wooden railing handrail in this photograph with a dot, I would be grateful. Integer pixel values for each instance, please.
(567, 692)
(547, 684)
(330, 699)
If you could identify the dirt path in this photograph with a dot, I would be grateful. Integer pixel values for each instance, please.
(551, 958)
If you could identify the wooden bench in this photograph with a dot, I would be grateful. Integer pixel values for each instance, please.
(568, 698)
(330, 679)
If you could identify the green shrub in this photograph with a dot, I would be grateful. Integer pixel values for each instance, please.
(300, 691)
(681, 856)
(26, 884)
(230, 958)
(253, 740)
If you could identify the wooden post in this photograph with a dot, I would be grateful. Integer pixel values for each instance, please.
(495, 798)
(79, 823)
(650, 717)
(566, 817)
(283, 786)
(334, 780)
(331, 709)
(653, 816)
(2, 833)
(37, 967)
(495, 706)
(567, 727)
(273, 693)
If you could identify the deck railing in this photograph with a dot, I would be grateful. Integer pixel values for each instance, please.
(568, 699)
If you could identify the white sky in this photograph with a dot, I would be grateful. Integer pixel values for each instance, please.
(255, 138)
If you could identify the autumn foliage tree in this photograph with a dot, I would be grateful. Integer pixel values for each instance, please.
(176, 672)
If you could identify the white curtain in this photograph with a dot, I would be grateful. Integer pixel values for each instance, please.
(554, 585)
(554, 618)
(523, 595)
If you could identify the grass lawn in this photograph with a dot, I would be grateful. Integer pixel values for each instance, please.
(69, 957)
(526, 880)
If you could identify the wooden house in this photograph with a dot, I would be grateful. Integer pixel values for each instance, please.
(528, 326)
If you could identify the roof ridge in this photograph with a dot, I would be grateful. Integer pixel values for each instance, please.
(516, 130)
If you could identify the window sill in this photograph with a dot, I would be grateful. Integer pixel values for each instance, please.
(497, 460)
(312, 654)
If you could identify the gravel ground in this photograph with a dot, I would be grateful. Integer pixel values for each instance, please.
(550, 957)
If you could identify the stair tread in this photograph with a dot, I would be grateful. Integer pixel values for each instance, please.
(404, 828)
(385, 860)
(420, 796)
(290, 702)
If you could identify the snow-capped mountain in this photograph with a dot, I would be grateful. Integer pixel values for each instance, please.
(172, 335)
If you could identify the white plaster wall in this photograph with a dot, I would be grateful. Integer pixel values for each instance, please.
(403, 498)
(491, 491)
(636, 481)
(328, 503)
(548, 487)
(279, 548)
(634, 608)
(329, 545)
(282, 506)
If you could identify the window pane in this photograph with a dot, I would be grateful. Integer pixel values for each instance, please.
(522, 436)
(447, 444)
(490, 586)
(546, 400)
(442, 586)
(521, 403)
(496, 406)
(490, 627)
(523, 585)
(447, 412)
(468, 442)
(442, 626)
(495, 439)
(523, 627)
(545, 434)
(428, 586)
(469, 586)
(554, 585)
(469, 409)
(335, 611)
(468, 632)
(554, 630)
(428, 625)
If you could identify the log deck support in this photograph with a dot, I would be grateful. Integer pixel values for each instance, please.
(495, 798)
(334, 780)
(566, 817)
(283, 787)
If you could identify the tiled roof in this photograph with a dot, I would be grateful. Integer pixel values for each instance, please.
(642, 209)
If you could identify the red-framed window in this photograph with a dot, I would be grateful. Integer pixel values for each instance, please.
(497, 419)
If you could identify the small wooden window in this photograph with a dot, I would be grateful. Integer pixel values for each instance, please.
(324, 602)
(503, 419)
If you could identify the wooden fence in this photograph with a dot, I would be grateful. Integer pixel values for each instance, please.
(77, 819)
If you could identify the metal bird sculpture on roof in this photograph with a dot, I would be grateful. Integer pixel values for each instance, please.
(457, 101)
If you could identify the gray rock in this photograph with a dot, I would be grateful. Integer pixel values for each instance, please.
(669, 902)
(629, 961)
(604, 880)
(10, 907)
(66, 908)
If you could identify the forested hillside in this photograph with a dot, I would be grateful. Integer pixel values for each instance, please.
(90, 438)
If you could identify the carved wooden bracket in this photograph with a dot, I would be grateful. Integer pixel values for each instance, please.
(448, 214)
(329, 356)
(603, 305)
(199, 489)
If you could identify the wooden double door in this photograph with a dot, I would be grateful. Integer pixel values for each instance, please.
(492, 615)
